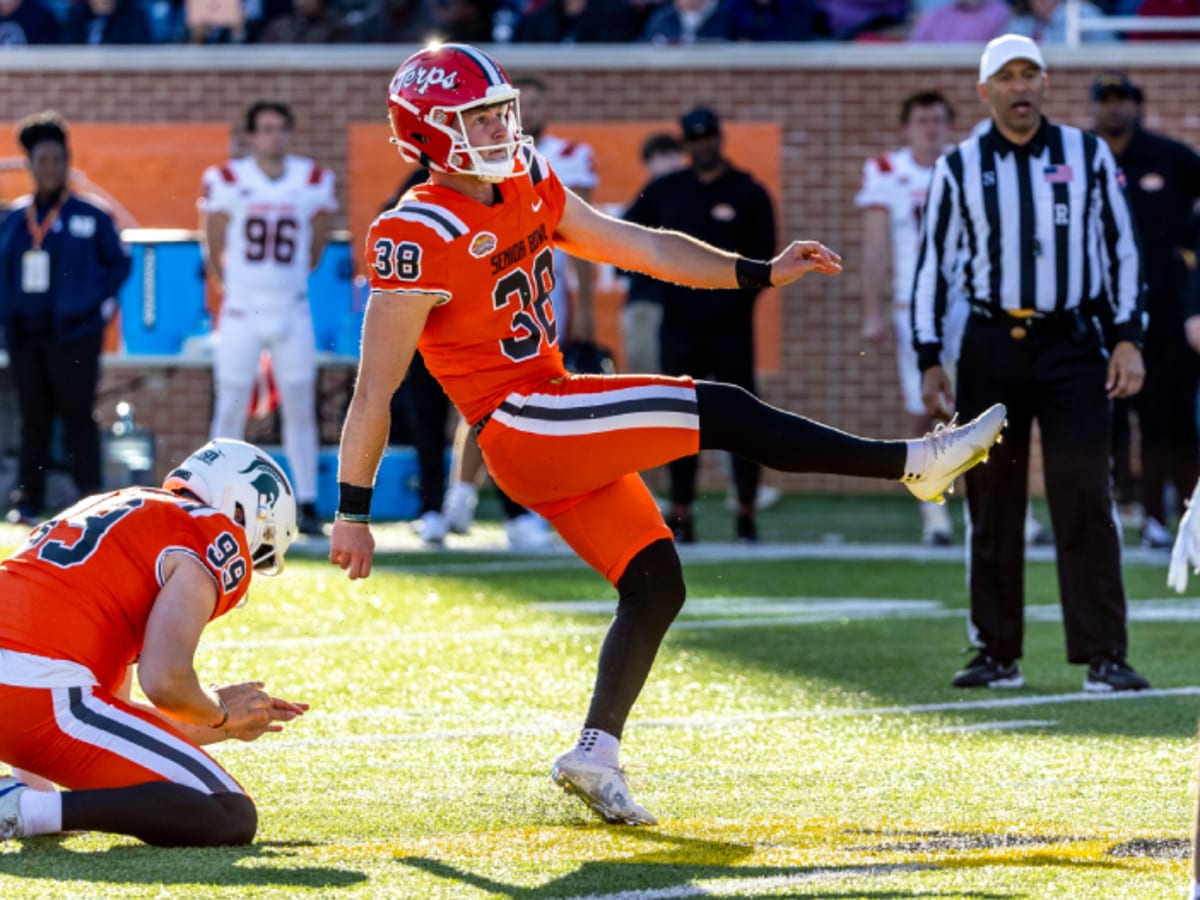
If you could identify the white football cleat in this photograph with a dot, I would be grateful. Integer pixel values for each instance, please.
(1186, 552)
(528, 531)
(431, 527)
(952, 449)
(10, 808)
(600, 786)
(459, 507)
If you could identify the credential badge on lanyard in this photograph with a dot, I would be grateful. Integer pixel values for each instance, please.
(35, 262)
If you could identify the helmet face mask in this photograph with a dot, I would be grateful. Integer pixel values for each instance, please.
(247, 486)
(428, 100)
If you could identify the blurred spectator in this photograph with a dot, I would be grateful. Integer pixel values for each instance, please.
(165, 18)
(771, 20)
(578, 22)
(962, 21)
(1163, 183)
(27, 22)
(709, 333)
(463, 21)
(393, 22)
(688, 22)
(61, 265)
(310, 22)
(1167, 8)
(848, 19)
(106, 22)
(641, 316)
(1046, 21)
(218, 21)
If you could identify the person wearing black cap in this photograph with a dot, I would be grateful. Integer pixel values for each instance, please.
(1162, 184)
(709, 333)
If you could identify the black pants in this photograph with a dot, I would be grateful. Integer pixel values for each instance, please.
(426, 406)
(56, 378)
(1058, 378)
(1166, 408)
(725, 357)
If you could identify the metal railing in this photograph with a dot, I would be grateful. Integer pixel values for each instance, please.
(1077, 24)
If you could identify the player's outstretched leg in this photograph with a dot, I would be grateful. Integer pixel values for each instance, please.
(733, 419)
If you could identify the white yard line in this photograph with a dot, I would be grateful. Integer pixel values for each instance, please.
(745, 612)
(703, 722)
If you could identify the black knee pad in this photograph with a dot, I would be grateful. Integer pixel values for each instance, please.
(239, 821)
(652, 585)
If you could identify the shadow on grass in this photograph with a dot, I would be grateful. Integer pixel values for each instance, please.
(676, 866)
(51, 858)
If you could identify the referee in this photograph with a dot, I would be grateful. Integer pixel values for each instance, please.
(1035, 214)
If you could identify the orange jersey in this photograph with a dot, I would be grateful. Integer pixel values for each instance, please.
(493, 330)
(82, 586)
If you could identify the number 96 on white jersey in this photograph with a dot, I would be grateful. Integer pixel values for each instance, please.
(268, 242)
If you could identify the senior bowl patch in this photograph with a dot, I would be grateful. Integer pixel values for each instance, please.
(482, 244)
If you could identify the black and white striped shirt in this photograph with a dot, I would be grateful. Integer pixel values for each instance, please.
(1041, 228)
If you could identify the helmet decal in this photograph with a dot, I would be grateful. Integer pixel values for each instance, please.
(268, 480)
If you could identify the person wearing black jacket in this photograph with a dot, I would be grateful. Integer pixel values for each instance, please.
(106, 22)
(1162, 185)
(709, 333)
(61, 264)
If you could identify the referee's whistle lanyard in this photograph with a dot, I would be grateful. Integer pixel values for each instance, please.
(39, 230)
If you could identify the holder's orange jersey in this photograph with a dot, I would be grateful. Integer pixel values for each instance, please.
(493, 330)
(82, 586)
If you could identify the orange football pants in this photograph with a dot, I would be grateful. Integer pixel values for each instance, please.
(84, 737)
(571, 447)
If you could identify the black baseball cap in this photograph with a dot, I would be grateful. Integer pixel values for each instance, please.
(1118, 83)
(700, 122)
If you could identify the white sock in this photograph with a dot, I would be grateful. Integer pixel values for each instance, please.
(599, 746)
(1195, 893)
(41, 812)
(916, 458)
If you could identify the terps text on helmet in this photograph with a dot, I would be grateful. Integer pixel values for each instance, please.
(425, 77)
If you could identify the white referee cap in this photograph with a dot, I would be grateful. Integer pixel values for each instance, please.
(1002, 50)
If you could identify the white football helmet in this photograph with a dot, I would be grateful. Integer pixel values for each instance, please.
(244, 483)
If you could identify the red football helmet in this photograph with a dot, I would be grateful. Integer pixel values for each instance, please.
(427, 98)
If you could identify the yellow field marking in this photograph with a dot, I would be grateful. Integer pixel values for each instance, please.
(780, 844)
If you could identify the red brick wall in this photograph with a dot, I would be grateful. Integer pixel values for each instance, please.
(833, 117)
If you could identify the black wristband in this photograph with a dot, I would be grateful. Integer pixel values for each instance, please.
(354, 500)
(752, 274)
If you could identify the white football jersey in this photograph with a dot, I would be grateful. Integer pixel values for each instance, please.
(268, 244)
(572, 162)
(896, 182)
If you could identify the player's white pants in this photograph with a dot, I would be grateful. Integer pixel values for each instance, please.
(286, 331)
(906, 357)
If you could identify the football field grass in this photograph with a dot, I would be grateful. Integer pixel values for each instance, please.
(798, 737)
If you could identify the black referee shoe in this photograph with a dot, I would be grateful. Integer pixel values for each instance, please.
(986, 671)
(1111, 673)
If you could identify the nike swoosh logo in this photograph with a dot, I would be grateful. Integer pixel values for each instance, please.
(537, 205)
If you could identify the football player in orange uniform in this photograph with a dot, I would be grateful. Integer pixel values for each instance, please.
(463, 268)
(122, 581)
